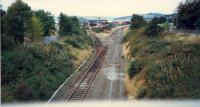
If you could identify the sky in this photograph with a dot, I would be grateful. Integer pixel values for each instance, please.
(100, 7)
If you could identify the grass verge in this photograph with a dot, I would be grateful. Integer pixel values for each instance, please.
(162, 67)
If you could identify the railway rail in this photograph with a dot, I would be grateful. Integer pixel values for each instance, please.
(80, 90)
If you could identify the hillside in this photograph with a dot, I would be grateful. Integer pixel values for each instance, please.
(162, 67)
(146, 16)
(33, 72)
(124, 18)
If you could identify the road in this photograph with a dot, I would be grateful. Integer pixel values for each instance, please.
(109, 82)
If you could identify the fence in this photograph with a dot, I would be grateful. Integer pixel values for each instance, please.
(48, 39)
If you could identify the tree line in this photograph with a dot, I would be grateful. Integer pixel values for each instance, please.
(34, 71)
(187, 17)
(152, 28)
(20, 23)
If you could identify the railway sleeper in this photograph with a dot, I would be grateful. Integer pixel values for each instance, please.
(82, 89)
(77, 95)
(83, 85)
(75, 98)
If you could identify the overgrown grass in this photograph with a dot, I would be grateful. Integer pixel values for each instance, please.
(34, 72)
(164, 67)
(79, 42)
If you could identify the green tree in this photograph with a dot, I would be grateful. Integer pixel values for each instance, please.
(155, 20)
(162, 19)
(47, 22)
(2, 12)
(69, 25)
(188, 13)
(153, 29)
(197, 23)
(16, 20)
(65, 25)
(34, 30)
(137, 21)
(75, 25)
(6, 41)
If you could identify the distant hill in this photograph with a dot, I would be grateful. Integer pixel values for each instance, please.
(146, 16)
(124, 18)
(152, 15)
(82, 20)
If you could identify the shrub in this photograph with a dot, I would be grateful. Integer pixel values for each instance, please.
(135, 67)
(74, 43)
(153, 30)
(29, 72)
(23, 91)
(137, 21)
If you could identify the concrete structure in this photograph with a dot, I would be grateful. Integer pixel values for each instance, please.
(96, 22)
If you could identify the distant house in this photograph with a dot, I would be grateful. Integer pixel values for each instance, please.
(96, 22)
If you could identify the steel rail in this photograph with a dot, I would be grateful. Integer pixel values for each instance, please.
(102, 52)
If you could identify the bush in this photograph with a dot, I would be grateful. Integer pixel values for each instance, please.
(6, 43)
(34, 72)
(153, 30)
(135, 68)
(137, 22)
(23, 91)
(74, 43)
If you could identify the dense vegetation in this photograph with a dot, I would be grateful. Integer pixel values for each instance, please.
(21, 24)
(32, 70)
(163, 67)
(153, 29)
(162, 64)
(137, 21)
(69, 25)
(188, 15)
(47, 22)
(16, 26)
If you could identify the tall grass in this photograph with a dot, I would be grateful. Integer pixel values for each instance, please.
(169, 67)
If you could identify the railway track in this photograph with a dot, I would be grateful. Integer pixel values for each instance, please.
(80, 90)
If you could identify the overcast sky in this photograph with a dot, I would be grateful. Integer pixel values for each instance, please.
(100, 7)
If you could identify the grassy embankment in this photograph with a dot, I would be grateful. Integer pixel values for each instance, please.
(34, 72)
(162, 67)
